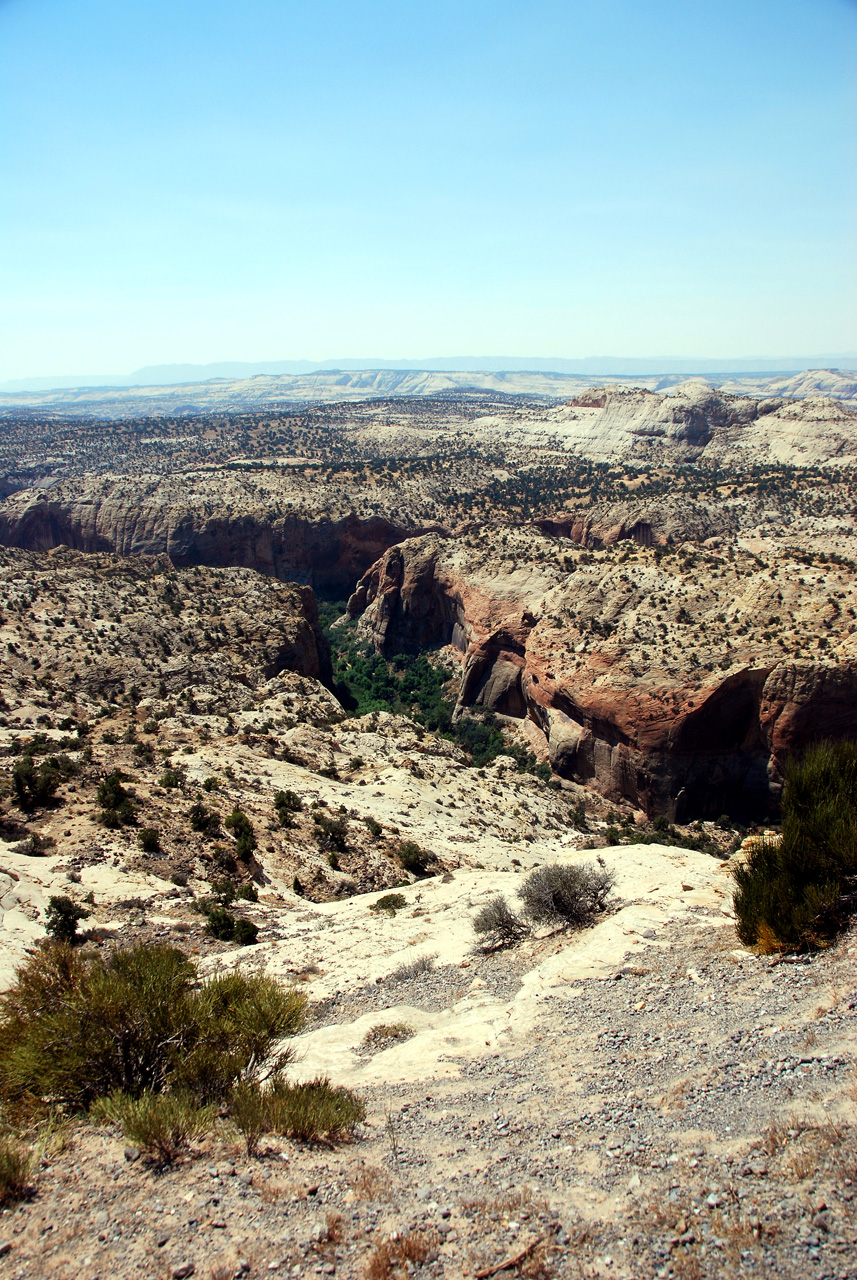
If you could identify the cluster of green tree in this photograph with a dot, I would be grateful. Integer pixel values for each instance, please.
(797, 892)
(364, 682)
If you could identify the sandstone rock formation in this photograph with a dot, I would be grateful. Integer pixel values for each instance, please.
(680, 680)
(135, 517)
(696, 422)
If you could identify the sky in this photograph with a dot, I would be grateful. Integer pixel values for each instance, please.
(195, 181)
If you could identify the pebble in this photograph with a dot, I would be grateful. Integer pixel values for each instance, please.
(183, 1270)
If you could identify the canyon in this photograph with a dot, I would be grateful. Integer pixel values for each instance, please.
(346, 673)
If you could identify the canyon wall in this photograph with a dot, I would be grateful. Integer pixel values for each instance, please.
(324, 551)
(670, 736)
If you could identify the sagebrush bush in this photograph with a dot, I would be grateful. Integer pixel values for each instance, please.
(163, 1124)
(412, 969)
(314, 1109)
(15, 1167)
(390, 903)
(76, 1027)
(498, 926)
(797, 892)
(569, 895)
(249, 1110)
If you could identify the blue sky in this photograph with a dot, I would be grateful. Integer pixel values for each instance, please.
(198, 181)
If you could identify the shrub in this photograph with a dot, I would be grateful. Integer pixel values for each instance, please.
(246, 932)
(34, 786)
(210, 784)
(244, 847)
(15, 1167)
(78, 1026)
(149, 839)
(412, 969)
(34, 845)
(613, 835)
(316, 1109)
(224, 891)
(248, 1106)
(117, 808)
(221, 924)
(331, 833)
(62, 917)
(498, 926)
(242, 828)
(413, 858)
(390, 903)
(287, 802)
(387, 1033)
(569, 895)
(796, 893)
(161, 1123)
(172, 779)
(373, 826)
(248, 893)
(204, 820)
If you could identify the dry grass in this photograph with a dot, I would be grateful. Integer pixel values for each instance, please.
(509, 1203)
(386, 1034)
(15, 1167)
(804, 1144)
(333, 1221)
(391, 1257)
(673, 1099)
(371, 1183)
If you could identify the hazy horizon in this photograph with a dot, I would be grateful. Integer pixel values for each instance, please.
(177, 373)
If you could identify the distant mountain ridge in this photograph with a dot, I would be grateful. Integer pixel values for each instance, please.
(595, 366)
(272, 392)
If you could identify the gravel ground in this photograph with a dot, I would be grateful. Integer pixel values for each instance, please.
(693, 1116)
(436, 989)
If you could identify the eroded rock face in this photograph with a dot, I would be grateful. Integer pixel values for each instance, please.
(651, 676)
(131, 518)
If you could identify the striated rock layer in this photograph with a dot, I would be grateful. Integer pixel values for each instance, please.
(681, 679)
(195, 527)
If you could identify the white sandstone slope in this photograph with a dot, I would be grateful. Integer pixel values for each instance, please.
(352, 946)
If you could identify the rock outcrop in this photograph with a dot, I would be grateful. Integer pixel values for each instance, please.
(196, 525)
(98, 625)
(651, 677)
